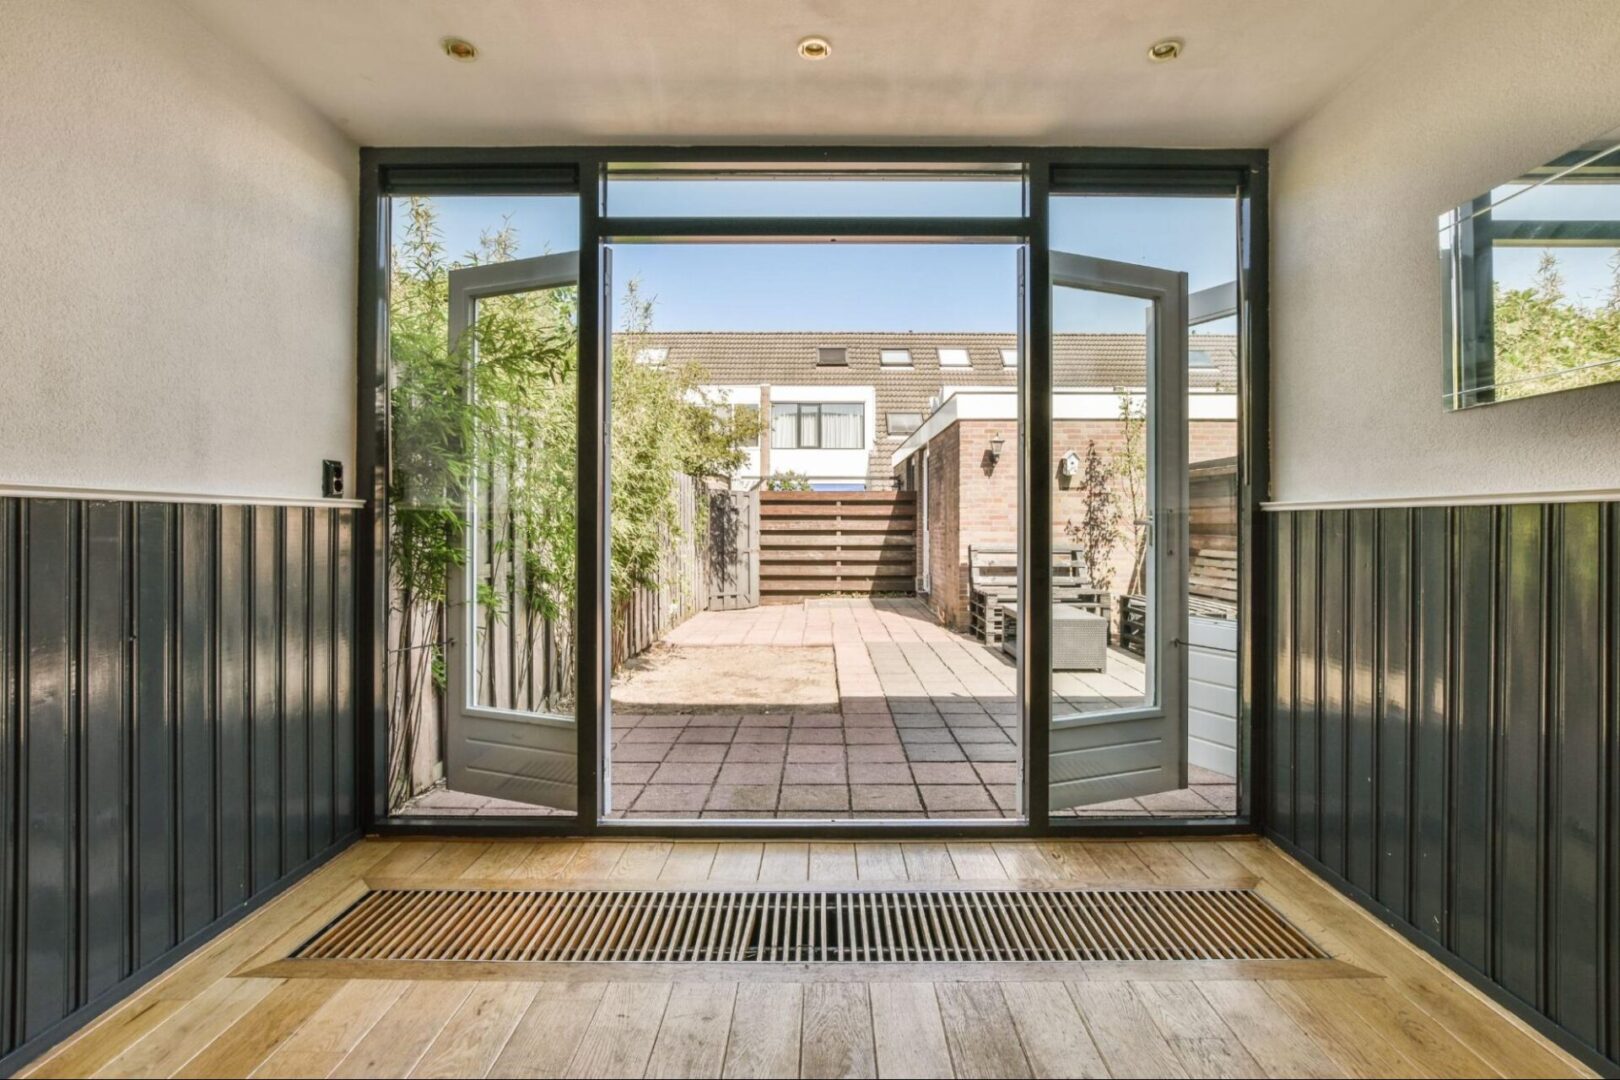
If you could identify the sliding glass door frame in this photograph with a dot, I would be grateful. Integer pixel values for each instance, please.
(390, 172)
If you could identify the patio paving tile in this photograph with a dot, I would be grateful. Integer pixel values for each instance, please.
(914, 736)
(710, 752)
(862, 736)
(757, 752)
(742, 797)
(832, 772)
(672, 797)
(944, 772)
(763, 735)
(935, 752)
(750, 773)
(814, 797)
(825, 736)
(997, 772)
(877, 752)
(820, 753)
(938, 797)
(885, 797)
(685, 772)
(894, 773)
(632, 772)
(1175, 800)
(990, 751)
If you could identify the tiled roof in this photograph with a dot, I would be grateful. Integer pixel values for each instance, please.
(779, 358)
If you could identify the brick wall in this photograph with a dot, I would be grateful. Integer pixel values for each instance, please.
(971, 503)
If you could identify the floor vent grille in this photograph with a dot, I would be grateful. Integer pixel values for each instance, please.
(808, 926)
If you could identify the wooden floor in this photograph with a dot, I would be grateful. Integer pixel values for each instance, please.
(1380, 1008)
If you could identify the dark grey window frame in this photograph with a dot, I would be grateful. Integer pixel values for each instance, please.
(389, 172)
(799, 408)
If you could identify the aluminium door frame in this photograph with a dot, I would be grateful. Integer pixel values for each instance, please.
(395, 171)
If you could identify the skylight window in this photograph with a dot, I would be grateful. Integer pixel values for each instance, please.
(832, 356)
(1197, 358)
(894, 357)
(954, 358)
(656, 356)
(1009, 357)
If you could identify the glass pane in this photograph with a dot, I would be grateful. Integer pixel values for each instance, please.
(785, 426)
(843, 426)
(1103, 650)
(789, 653)
(487, 463)
(1532, 281)
(523, 545)
(846, 194)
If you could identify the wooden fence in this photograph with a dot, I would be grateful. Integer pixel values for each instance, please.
(526, 660)
(1212, 509)
(819, 543)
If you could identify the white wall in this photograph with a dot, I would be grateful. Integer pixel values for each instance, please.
(1483, 91)
(178, 248)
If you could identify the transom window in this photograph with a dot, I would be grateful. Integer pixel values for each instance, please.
(903, 423)
(833, 425)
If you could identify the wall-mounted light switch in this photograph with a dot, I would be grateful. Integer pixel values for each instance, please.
(332, 479)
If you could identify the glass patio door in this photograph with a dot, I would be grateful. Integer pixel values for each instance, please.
(1119, 531)
(511, 730)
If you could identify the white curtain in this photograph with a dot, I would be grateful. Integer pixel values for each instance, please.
(842, 426)
(784, 427)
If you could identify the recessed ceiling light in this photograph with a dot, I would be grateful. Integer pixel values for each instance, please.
(815, 48)
(460, 49)
(1161, 51)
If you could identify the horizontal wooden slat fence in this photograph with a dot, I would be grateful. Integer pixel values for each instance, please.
(822, 543)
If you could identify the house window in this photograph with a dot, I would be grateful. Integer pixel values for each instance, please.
(832, 356)
(894, 357)
(954, 358)
(903, 423)
(837, 425)
(742, 421)
(654, 356)
(1197, 358)
(1009, 357)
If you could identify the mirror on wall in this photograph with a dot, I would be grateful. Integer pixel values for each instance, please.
(1531, 273)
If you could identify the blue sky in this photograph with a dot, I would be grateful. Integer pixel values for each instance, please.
(933, 287)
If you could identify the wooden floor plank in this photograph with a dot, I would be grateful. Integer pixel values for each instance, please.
(692, 1039)
(908, 1031)
(171, 1044)
(689, 862)
(737, 862)
(880, 862)
(1054, 1038)
(1343, 1035)
(472, 1040)
(837, 1033)
(1206, 1046)
(1385, 1009)
(765, 1031)
(397, 1041)
(327, 1037)
(785, 862)
(977, 861)
(980, 1031)
(1272, 1038)
(619, 1040)
(243, 1046)
(545, 1039)
(928, 862)
(1127, 1038)
(833, 862)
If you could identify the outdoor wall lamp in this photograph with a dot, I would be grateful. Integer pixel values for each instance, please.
(996, 445)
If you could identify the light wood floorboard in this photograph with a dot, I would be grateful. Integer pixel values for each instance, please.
(1387, 1010)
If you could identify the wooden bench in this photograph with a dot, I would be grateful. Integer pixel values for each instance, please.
(1212, 584)
(993, 581)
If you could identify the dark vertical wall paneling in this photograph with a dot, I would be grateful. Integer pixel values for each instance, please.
(176, 731)
(1463, 745)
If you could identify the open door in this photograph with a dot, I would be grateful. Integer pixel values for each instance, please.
(1119, 720)
(511, 731)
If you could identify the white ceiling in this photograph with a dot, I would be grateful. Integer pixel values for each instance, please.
(679, 71)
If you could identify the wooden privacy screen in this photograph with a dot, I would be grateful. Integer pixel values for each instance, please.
(819, 543)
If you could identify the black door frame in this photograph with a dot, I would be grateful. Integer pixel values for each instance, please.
(394, 171)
